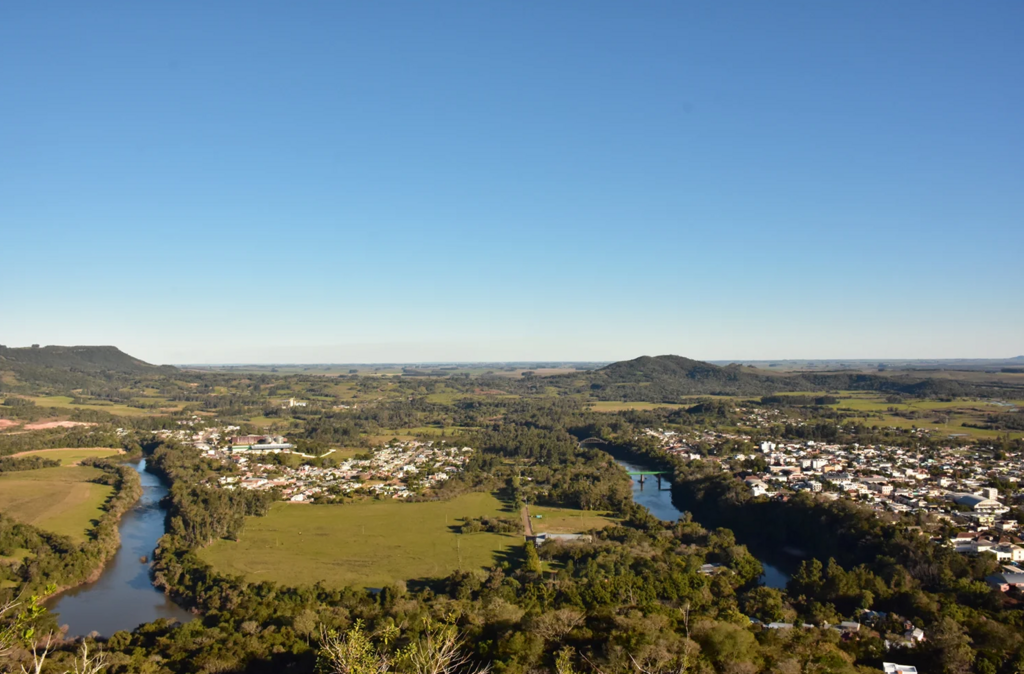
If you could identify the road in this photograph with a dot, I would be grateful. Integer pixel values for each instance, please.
(527, 526)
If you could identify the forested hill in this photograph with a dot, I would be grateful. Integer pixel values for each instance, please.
(70, 365)
(673, 376)
(667, 378)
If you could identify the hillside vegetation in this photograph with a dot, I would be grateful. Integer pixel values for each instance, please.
(75, 366)
(669, 378)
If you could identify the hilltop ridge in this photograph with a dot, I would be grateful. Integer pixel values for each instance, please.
(669, 377)
(70, 365)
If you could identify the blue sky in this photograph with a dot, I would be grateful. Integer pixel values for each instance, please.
(405, 181)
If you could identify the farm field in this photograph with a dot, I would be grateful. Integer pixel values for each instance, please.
(71, 457)
(267, 422)
(61, 500)
(365, 544)
(938, 415)
(342, 453)
(567, 520)
(66, 402)
(616, 406)
(419, 432)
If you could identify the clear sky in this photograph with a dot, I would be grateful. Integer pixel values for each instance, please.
(410, 181)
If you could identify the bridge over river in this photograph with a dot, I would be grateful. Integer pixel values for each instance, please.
(659, 503)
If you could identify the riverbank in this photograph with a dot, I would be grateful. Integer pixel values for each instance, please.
(121, 595)
(663, 503)
(104, 540)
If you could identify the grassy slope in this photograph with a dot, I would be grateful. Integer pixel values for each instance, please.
(366, 544)
(61, 500)
(69, 457)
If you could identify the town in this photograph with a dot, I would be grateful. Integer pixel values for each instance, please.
(399, 469)
(951, 487)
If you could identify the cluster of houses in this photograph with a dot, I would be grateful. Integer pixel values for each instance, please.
(949, 484)
(397, 470)
(202, 438)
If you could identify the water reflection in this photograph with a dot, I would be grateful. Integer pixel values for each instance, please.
(659, 503)
(124, 597)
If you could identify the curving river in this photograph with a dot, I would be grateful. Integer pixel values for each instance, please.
(659, 503)
(124, 597)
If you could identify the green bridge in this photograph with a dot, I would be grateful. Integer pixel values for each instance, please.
(644, 473)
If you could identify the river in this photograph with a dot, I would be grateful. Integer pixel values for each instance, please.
(659, 503)
(124, 597)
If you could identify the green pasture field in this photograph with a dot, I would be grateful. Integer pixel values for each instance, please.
(363, 544)
(876, 403)
(61, 500)
(66, 402)
(568, 520)
(445, 398)
(874, 410)
(70, 457)
(416, 431)
(616, 406)
(267, 422)
(342, 453)
(952, 427)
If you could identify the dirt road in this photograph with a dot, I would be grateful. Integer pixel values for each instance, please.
(527, 526)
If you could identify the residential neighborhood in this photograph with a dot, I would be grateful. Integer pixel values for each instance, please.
(950, 486)
(399, 469)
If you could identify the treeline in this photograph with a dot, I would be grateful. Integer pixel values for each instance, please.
(498, 525)
(47, 558)
(199, 514)
(672, 379)
(10, 464)
(55, 438)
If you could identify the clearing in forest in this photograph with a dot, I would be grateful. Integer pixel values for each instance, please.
(364, 544)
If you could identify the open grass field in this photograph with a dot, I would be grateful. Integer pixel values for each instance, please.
(616, 406)
(432, 432)
(71, 457)
(61, 500)
(365, 544)
(567, 520)
(267, 422)
(937, 415)
(66, 402)
(342, 453)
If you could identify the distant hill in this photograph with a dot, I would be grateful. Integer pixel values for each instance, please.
(70, 366)
(669, 378)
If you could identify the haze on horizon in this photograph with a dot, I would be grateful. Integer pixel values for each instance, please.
(581, 181)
